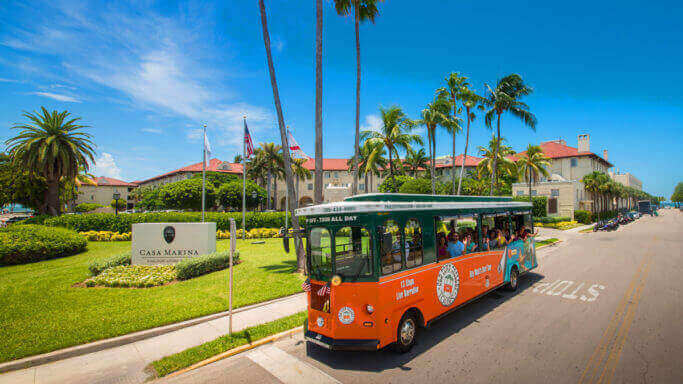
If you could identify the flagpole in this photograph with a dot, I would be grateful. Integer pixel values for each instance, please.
(203, 172)
(244, 179)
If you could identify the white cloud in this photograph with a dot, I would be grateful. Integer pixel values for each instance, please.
(106, 166)
(372, 123)
(2, 80)
(57, 96)
(152, 130)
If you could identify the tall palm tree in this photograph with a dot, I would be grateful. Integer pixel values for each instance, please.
(432, 117)
(273, 162)
(470, 101)
(532, 164)
(318, 182)
(452, 91)
(52, 146)
(363, 10)
(496, 154)
(593, 182)
(415, 160)
(372, 161)
(506, 98)
(394, 134)
(289, 179)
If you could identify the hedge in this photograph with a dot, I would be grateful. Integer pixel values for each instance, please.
(551, 219)
(201, 265)
(124, 222)
(539, 203)
(87, 207)
(583, 217)
(393, 185)
(106, 236)
(20, 244)
(96, 267)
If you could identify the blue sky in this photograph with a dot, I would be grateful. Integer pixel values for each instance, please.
(145, 75)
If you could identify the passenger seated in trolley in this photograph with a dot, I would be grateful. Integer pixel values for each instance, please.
(455, 246)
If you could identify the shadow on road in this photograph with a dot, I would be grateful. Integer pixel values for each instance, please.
(427, 338)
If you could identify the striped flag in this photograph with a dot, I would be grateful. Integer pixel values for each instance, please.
(306, 285)
(247, 141)
(207, 148)
(295, 148)
(325, 290)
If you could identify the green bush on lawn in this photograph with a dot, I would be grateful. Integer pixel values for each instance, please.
(87, 207)
(96, 267)
(20, 244)
(201, 265)
(539, 204)
(133, 276)
(124, 222)
(551, 219)
(583, 217)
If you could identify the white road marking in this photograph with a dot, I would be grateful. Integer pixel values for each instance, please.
(288, 368)
(559, 287)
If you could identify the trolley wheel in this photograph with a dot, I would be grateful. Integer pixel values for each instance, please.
(514, 280)
(406, 333)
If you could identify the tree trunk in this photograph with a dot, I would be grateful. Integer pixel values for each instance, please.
(467, 142)
(298, 244)
(391, 167)
(455, 112)
(52, 196)
(318, 181)
(276, 204)
(530, 199)
(268, 190)
(296, 195)
(354, 189)
(433, 167)
(495, 157)
(366, 182)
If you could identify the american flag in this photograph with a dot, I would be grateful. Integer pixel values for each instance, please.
(247, 141)
(325, 290)
(306, 285)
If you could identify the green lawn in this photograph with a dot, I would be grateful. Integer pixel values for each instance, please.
(196, 354)
(42, 312)
(545, 242)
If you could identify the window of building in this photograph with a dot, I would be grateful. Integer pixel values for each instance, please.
(413, 243)
(310, 186)
(352, 255)
(92, 197)
(520, 193)
(361, 187)
(390, 247)
(533, 192)
(327, 175)
(574, 162)
(552, 205)
(336, 174)
(554, 192)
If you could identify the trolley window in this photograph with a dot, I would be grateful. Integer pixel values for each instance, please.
(352, 256)
(413, 243)
(390, 247)
(321, 252)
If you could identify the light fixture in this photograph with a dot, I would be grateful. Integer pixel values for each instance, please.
(336, 280)
(370, 308)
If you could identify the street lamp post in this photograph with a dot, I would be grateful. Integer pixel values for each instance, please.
(117, 196)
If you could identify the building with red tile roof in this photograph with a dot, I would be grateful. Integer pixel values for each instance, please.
(101, 191)
(214, 165)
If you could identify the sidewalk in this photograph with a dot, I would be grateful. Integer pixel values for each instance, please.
(126, 363)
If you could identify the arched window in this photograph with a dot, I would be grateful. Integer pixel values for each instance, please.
(390, 247)
(413, 243)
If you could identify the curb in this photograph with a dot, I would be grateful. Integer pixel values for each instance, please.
(78, 350)
(235, 351)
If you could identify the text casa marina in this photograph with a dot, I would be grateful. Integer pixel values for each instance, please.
(169, 252)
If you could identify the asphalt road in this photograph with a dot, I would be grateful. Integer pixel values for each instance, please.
(601, 308)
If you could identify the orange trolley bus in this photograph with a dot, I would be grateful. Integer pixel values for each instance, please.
(382, 265)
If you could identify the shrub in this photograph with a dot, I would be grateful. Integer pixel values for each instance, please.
(606, 215)
(106, 236)
(421, 186)
(121, 204)
(123, 223)
(390, 185)
(539, 204)
(583, 217)
(551, 219)
(21, 244)
(201, 265)
(136, 276)
(37, 219)
(186, 194)
(230, 195)
(87, 207)
(96, 267)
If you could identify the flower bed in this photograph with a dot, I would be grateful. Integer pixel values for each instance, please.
(133, 276)
(256, 233)
(106, 236)
(563, 225)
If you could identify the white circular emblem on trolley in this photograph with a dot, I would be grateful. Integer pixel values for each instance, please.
(447, 284)
(346, 315)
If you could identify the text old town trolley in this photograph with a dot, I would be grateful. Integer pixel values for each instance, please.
(382, 265)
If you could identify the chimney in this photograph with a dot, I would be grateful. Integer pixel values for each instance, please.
(604, 155)
(584, 143)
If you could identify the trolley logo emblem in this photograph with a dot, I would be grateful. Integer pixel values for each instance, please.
(169, 234)
(346, 315)
(447, 284)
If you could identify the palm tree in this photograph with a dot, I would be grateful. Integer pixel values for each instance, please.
(496, 153)
(52, 146)
(593, 182)
(372, 161)
(318, 182)
(532, 164)
(452, 91)
(470, 100)
(272, 163)
(363, 10)
(289, 179)
(432, 117)
(394, 134)
(300, 172)
(506, 98)
(416, 160)
(237, 159)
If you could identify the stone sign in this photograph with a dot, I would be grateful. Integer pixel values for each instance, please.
(169, 243)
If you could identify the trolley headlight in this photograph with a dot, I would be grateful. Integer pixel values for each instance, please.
(320, 322)
(370, 308)
(336, 280)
